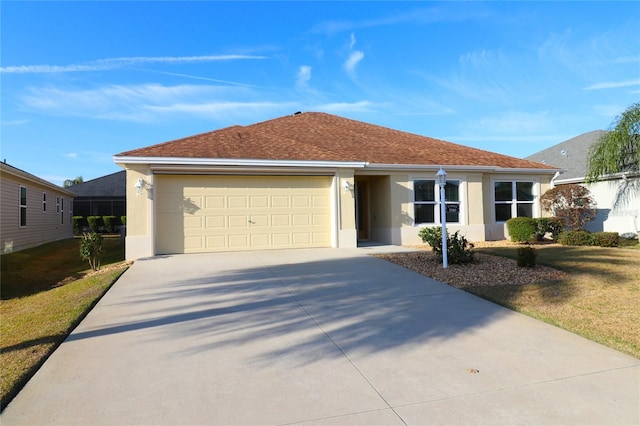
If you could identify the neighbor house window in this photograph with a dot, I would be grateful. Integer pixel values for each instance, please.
(62, 211)
(23, 206)
(427, 201)
(513, 199)
(44, 202)
(57, 205)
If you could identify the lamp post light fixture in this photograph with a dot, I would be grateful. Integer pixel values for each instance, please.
(441, 179)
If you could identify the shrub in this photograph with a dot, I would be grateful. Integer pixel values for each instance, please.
(123, 220)
(551, 225)
(95, 223)
(110, 223)
(527, 257)
(78, 224)
(576, 238)
(572, 203)
(91, 249)
(522, 229)
(459, 250)
(606, 239)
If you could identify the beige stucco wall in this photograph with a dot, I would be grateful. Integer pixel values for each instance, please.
(140, 240)
(347, 236)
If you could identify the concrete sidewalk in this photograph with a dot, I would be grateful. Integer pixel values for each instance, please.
(323, 336)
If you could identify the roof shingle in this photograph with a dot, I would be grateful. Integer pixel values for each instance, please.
(315, 136)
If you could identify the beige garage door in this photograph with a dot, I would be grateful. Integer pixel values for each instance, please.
(221, 213)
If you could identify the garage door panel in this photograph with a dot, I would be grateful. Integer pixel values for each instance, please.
(218, 213)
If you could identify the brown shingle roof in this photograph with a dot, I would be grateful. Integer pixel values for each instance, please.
(315, 136)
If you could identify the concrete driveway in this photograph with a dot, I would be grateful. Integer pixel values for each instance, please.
(323, 336)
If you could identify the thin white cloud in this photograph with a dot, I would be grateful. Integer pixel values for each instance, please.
(304, 75)
(115, 63)
(353, 60)
(14, 122)
(511, 123)
(613, 84)
(352, 43)
(338, 107)
(71, 155)
(150, 102)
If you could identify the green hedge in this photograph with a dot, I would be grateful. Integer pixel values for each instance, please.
(585, 238)
(606, 239)
(95, 223)
(522, 229)
(110, 223)
(78, 223)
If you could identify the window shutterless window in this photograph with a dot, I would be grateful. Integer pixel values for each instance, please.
(513, 199)
(44, 202)
(57, 205)
(427, 201)
(62, 211)
(23, 206)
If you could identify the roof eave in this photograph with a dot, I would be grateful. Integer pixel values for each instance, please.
(435, 167)
(242, 162)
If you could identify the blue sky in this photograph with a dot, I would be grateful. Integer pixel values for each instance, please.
(82, 81)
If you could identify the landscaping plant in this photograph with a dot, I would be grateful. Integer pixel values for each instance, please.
(572, 203)
(522, 229)
(110, 223)
(91, 249)
(459, 250)
(95, 222)
(527, 257)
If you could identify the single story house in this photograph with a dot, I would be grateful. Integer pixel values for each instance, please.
(617, 196)
(103, 196)
(33, 211)
(316, 180)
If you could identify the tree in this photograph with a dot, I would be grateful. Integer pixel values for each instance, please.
(617, 151)
(70, 182)
(572, 203)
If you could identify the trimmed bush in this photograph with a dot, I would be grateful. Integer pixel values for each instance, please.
(78, 224)
(459, 250)
(95, 223)
(606, 239)
(552, 225)
(576, 238)
(123, 220)
(527, 257)
(522, 229)
(110, 223)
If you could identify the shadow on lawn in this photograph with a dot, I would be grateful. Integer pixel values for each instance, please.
(307, 311)
(50, 265)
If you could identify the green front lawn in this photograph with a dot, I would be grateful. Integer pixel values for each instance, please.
(46, 291)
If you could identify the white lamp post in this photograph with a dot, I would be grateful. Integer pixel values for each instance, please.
(441, 179)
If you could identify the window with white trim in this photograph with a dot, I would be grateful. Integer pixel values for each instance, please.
(62, 211)
(23, 206)
(426, 201)
(44, 202)
(513, 199)
(57, 205)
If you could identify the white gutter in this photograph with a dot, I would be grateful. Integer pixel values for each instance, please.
(185, 161)
(454, 167)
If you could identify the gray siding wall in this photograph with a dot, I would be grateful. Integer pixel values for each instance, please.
(41, 227)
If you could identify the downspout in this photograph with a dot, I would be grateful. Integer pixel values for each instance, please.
(552, 183)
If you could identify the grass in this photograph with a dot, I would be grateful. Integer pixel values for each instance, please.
(600, 298)
(46, 291)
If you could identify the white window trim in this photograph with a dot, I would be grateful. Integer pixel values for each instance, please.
(436, 203)
(22, 206)
(514, 203)
(61, 210)
(44, 202)
(58, 205)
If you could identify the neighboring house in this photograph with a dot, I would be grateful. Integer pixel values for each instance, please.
(33, 211)
(316, 180)
(103, 196)
(617, 196)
